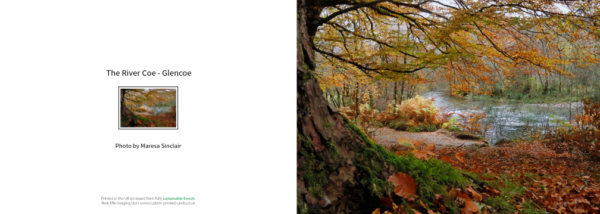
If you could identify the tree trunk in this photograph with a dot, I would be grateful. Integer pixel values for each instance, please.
(127, 119)
(402, 92)
(339, 97)
(330, 151)
(560, 84)
(545, 91)
(356, 101)
(395, 91)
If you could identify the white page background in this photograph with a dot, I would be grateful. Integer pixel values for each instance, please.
(60, 109)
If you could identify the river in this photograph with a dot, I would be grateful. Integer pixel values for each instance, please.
(157, 109)
(509, 120)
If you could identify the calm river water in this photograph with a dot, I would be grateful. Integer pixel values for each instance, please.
(508, 120)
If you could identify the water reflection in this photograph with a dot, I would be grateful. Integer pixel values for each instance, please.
(509, 120)
(157, 109)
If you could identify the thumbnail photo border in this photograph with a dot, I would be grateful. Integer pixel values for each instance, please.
(150, 87)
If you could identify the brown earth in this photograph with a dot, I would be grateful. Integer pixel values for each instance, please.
(441, 138)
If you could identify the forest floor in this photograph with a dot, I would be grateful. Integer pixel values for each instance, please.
(441, 138)
(158, 120)
(520, 177)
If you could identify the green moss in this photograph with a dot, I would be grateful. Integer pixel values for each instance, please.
(452, 206)
(308, 75)
(415, 129)
(530, 207)
(397, 125)
(328, 124)
(315, 174)
(145, 121)
(431, 176)
(510, 191)
(315, 171)
(431, 127)
(331, 149)
(302, 208)
(500, 203)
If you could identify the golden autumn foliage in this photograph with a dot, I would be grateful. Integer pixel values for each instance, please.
(417, 114)
(469, 45)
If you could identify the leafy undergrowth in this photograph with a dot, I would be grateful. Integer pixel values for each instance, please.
(556, 174)
(531, 177)
(418, 115)
(159, 120)
(526, 177)
(581, 136)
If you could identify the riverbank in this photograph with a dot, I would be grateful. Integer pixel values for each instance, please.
(387, 137)
(509, 120)
(531, 98)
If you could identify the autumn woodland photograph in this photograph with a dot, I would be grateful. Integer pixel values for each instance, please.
(148, 107)
(443, 106)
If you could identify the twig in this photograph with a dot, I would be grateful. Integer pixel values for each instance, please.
(478, 182)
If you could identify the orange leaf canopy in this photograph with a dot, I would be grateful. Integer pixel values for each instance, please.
(405, 185)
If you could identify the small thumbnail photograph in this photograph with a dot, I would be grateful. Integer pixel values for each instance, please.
(148, 107)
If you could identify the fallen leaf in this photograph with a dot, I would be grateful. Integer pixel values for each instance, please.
(493, 192)
(447, 159)
(418, 143)
(429, 147)
(387, 202)
(547, 182)
(578, 210)
(460, 156)
(452, 194)
(476, 196)
(420, 154)
(519, 207)
(470, 207)
(406, 142)
(376, 211)
(462, 195)
(405, 185)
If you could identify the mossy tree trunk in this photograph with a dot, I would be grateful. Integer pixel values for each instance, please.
(336, 166)
(127, 117)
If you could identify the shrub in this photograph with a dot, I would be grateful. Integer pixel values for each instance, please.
(581, 136)
(471, 122)
(416, 114)
(452, 125)
(140, 109)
